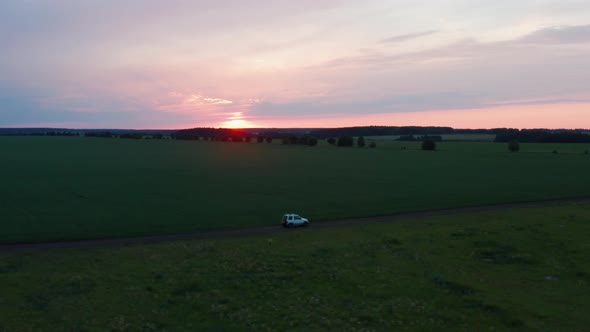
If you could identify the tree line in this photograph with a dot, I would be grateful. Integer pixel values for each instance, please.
(380, 131)
(544, 136)
(307, 136)
(412, 138)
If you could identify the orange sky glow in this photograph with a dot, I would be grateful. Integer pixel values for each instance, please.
(554, 116)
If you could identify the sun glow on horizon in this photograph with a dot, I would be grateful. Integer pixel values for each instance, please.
(237, 121)
(551, 116)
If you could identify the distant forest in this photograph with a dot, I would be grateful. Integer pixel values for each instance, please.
(246, 135)
(409, 133)
(544, 136)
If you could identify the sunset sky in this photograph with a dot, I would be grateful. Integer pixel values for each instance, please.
(305, 63)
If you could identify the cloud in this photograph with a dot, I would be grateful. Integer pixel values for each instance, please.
(406, 37)
(25, 111)
(394, 103)
(558, 35)
(471, 49)
(540, 101)
(179, 102)
(467, 74)
(74, 103)
(202, 100)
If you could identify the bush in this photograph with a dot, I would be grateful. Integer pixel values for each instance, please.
(361, 142)
(586, 151)
(373, 145)
(303, 140)
(409, 138)
(513, 146)
(259, 139)
(134, 136)
(429, 145)
(331, 140)
(269, 140)
(345, 141)
(298, 140)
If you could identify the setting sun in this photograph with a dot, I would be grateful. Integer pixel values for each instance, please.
(237, 121)
(237, 124)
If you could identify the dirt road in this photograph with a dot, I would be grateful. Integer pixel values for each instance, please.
(275, 228)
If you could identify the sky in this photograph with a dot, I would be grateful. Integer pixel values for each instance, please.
(308, 63)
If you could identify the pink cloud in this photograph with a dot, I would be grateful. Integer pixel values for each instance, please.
(194, 102)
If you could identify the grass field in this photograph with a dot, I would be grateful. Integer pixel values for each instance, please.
(56, 188)
(469, 137)
(521, 269)
(449, 137)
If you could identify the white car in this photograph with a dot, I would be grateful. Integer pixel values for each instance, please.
(291, 220)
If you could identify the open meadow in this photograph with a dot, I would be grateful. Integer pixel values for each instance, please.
(62, 188)
(449, 137)
(523, 269)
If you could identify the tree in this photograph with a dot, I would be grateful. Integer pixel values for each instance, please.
(307, 140)
(361, 142)
(303, 140)
(514, 146)
(429, 145)
(409, 138)
(269, 140)
(259, 139)
(345, 141)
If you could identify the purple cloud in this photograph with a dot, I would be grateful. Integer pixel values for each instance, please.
(558, 35)
(410, 36)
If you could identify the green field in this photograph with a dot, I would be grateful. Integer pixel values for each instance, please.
(449, 137)
(469, 137)
(56, 188)
(521, 269)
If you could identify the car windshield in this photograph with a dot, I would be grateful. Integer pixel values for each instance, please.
(297, 217)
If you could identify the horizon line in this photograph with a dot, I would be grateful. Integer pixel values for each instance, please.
(287, 128)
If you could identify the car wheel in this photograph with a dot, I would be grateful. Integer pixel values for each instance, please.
(305, 224)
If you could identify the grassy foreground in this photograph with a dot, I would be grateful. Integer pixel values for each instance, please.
(57, 188)
(521, 269)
